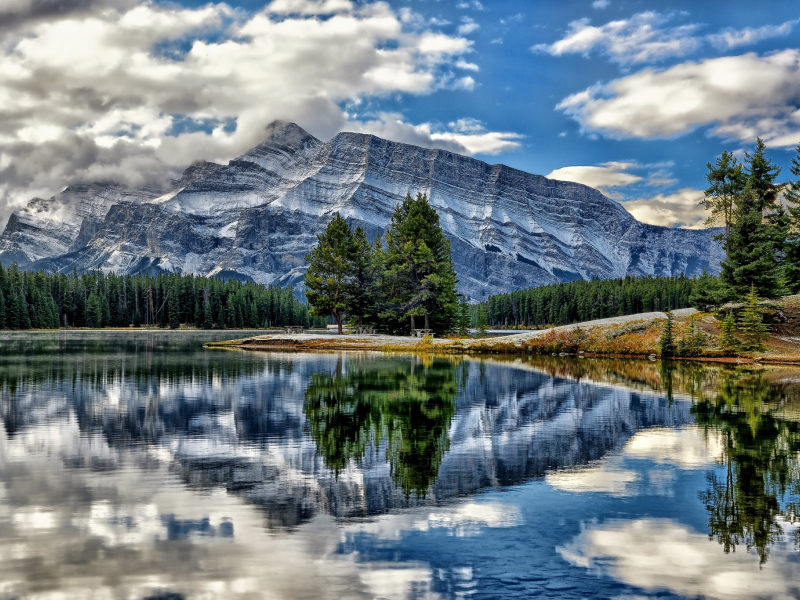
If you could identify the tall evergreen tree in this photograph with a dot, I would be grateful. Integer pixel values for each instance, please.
(420, 279)
(792, 247)
(362, 277)
(751, 261)
(752, 330)
(328, 271)
(666, 343)
(728, 341)
(762, 175)
(726, 181)
(173, 307)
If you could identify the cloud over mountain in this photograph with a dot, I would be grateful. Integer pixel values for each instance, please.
(129, 91)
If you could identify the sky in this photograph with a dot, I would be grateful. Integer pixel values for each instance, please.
(630, 97)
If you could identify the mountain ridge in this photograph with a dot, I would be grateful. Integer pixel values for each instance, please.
(258, 216)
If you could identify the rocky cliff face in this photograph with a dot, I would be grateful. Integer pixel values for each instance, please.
(257, 217)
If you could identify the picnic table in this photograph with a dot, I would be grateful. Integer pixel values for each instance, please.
(421, 332)
(365, 329)
(294, 329)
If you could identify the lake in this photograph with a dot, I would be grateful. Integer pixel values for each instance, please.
(141, 465)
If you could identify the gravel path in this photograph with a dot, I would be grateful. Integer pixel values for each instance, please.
(521, 337)
(328, 341)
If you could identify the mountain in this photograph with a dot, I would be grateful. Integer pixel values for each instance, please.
(257, 217)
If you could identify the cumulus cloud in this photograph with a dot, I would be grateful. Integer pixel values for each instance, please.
(645, 37)
(741, 96)
(600, 4)
(670, 210)
(661, 554)
(642, 38)
(135, 92)
(603, 178)
(730, 38)
(678, 209)
(467, 26)
(465, 136)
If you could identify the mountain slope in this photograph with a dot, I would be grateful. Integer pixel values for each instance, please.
(257, 217)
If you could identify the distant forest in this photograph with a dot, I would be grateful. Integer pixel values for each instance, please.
(577, 301)
(49, 300)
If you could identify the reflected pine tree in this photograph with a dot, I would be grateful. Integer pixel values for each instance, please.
(405, 407)
(759, 488)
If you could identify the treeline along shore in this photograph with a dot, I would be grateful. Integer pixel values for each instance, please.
(42, 300)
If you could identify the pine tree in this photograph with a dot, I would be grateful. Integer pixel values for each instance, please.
(481, 321)
(728, 341)
(327, 276)
(173, 308)
(666, 343)
(94, 311)
(695, 338)
(362, 278)
(792, 247)
(751, 261)
(752, 330)
(707, 292)
(762, 174)
(726, 181)
(420, 281)
(464, 317)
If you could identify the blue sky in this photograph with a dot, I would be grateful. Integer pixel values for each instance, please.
(632, 97)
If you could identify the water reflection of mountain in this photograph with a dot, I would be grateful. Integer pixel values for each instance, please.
(283, 431)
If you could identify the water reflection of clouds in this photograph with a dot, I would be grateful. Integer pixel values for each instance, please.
(458, 519)
(135, 532)
(660, 554)
(659, 449)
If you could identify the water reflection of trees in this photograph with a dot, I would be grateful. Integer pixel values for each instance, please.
(405, 406)
(759, 486)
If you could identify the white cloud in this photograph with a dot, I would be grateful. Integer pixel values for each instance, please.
(465, 136)
(645, 37)
(670, 210)
(603, 178)
(661, 554)
(600, 4)
(638, 39)
(730, 38)
(134, 94)
(309, 7)
(467, 26)
(741, 96)
(687, 448)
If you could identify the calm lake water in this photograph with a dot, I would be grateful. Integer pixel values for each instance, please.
(140, 465)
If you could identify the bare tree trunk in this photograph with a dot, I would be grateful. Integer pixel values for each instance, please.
(427, 323)
(412, 325)
(338, 317)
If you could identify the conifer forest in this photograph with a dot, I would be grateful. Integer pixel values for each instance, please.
(41, 300)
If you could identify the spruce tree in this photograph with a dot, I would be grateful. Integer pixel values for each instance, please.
(666, 343)
(173, 307)
(752, 330)
(94, 311)
(728, 341)
(420, 281)
(464, 317)
(481, 321)
(707, 292)
(327, 276)
(762, 175)
(751, 261)
(792, 247)
(726, 181)
(362, 278)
